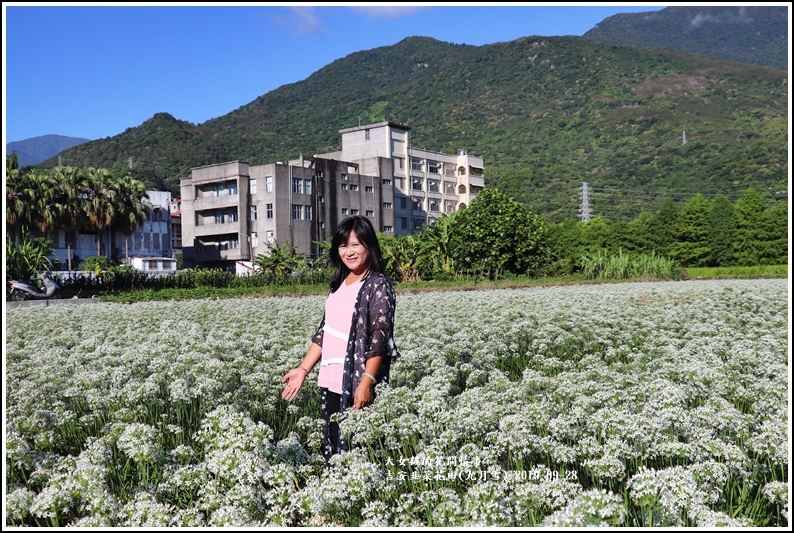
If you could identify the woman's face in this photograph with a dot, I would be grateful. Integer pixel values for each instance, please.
(354, 254)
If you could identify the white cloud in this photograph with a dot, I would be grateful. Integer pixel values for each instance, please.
(387, 11)
(301, 20)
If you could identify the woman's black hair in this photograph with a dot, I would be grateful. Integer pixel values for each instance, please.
(363, 229)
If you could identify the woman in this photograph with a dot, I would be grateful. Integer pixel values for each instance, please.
(354, 343)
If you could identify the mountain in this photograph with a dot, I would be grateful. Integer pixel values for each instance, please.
(545, 113)
(37, 149)
(757, 35)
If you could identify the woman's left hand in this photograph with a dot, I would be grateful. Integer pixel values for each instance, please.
(363, 395)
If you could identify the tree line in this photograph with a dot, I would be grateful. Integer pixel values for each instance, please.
(496, 236)
(68, 198)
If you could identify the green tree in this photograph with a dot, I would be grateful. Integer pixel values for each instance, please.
(71, 195)
(36, 199)
(664, 224)
(720, 239)
(595, 234)
(773, 235)
(132, 208)
(747, 214)
(692, 230)
(565, 246)
(101, 206)
(15, 203)
(641, 231)
(497, 234)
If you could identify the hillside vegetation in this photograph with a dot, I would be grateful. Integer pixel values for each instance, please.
(757, 34)
(546, 114)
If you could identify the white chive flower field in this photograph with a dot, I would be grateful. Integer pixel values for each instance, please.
(623, 404)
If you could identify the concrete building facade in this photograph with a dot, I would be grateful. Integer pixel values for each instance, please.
(231, 212)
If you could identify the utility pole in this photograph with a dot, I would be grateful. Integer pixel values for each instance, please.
(584, 209)
(684, 138)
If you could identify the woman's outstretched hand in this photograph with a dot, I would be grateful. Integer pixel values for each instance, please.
(363, 395)
(294, 380)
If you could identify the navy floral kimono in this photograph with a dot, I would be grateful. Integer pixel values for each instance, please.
(371, 334)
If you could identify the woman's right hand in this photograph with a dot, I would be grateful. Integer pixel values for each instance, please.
(294, 380)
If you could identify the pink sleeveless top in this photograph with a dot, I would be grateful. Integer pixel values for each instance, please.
(339, 307)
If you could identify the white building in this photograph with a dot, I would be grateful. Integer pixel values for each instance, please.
(153, 239)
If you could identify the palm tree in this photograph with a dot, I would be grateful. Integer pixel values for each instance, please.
(15, 204)
(101, 207)
(38, 213)
(71, 196)
(132, 208)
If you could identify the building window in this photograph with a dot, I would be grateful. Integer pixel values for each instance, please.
(416, 184)
(416, 203)
(368, 188)
(343, 177)
(433, 167)
(432, 185)
(403, 223)
(254, 240)
(434, 205)
(344, 210)
(400, 183)
(387, 205)
(386, 182)
(307, 212)
(297, 186)
(269, 237)
(398, 163)
(388, 229)
(366, 134)
(403, 203)
(449, 187)
(449, 170)
(269, 209)
(449, 207)
(252, 185)
(370, 213)
(416, 164)
(353, 187)
(354, 212)
(253, 212)
(268, 183)
(297, 212)
(307, 186)
(319, 174)
(344, 186)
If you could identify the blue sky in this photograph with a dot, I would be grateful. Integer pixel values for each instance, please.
(92, 71)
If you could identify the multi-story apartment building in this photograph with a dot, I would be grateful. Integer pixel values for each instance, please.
(426, 184)
(232, 212)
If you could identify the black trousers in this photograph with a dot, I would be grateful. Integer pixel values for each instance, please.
(332, 440)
